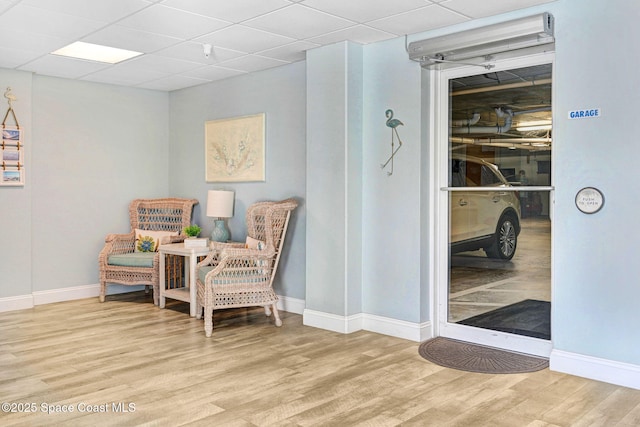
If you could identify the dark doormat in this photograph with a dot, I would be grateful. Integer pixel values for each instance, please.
(470, 357)
(531, 318)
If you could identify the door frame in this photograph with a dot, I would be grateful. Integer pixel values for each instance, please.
(439, 105)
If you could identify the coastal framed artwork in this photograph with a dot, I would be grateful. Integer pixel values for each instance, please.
(12, 176)
(235, 149)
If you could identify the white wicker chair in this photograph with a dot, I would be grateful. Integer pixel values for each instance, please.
(235, 276)
(168, 214)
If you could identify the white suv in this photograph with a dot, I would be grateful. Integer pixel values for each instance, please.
(488, 220)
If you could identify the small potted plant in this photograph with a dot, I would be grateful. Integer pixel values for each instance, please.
(192, 231)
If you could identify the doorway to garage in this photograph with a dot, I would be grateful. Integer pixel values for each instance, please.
(495, 203)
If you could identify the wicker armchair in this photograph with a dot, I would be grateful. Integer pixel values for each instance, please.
(120, 263)
(233, 275)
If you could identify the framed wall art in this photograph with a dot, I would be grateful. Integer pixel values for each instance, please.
(12, 155)
(235, 149)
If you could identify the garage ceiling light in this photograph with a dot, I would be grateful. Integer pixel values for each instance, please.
(95, 52)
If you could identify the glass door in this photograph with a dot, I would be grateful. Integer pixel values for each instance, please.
(496, 202)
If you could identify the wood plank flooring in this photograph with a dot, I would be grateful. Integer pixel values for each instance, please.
(93, 356)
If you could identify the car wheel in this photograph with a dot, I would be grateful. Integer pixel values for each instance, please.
(505, 240)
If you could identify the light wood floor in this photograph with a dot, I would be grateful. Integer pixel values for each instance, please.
(250, 373)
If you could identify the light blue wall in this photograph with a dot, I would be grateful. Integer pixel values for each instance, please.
(596, 294)
(95, 148)
(15, 202)
(391, 204)
(334, 183)
(90, 149)
(280, 94)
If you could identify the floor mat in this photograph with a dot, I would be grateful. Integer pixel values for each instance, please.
(531, 318)
(477, 358)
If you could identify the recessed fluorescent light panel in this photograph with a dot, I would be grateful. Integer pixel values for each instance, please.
(96, 52)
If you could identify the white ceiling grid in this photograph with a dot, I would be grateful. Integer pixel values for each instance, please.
(246, 35)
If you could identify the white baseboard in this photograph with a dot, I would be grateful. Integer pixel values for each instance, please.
(383, 325)
(619, 373)
(291, 305)
(19, 302)
(65, 294)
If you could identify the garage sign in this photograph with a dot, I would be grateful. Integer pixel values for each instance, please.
(588, 113)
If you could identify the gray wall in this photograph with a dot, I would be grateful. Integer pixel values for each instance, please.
(90, 149)
(280, 94)
(15, 202)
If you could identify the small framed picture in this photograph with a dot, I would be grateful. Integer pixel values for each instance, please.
(12, 176)
(11, 135)
(12, 157)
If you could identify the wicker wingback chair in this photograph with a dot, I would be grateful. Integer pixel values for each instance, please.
(233, 275)
(120, 263)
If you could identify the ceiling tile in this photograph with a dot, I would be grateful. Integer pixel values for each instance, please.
(213, 73)
(193, 51)
(246, 35)
(291, 52)
(244, 39)
(360, 34)
(172, 83)
(40, 21)
(12, 58)
(418, 20)
(364, 10)
(124, 76)
(299, 22)
(4, 5)
(171, 22)
(99, 10)
(252, 63)
(155, 62)
(127, 38)
(59, 66)
(232, 11)
(476, 9)
(34, 43)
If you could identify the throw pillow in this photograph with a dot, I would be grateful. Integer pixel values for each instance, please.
(150, 240)
(252, 243)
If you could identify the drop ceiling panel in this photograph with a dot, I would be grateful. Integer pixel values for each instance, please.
(59, 66)
(193, 51)
(299, 22)
(250, 63)
(130, 39)
(480, 9)
(231, 11)
(426, 18)
(249, 35)
(291, 52)
(365, 10)
(360, 34)
(245, 39)
(40, 21)
(111, 10)
(159, 19)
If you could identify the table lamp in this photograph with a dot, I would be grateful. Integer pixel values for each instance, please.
(220, 206)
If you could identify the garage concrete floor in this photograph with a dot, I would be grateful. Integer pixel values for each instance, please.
(479, 284)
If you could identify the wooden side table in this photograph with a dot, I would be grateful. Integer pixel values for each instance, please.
(188, 293)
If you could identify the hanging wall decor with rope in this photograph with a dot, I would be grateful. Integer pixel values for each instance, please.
(12, 146)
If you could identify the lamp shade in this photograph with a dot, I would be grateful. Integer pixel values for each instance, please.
(220, 204)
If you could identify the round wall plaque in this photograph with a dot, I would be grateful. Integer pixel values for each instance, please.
(589, 200)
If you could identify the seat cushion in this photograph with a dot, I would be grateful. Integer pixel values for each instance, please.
(135, 259)
(202, 272)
